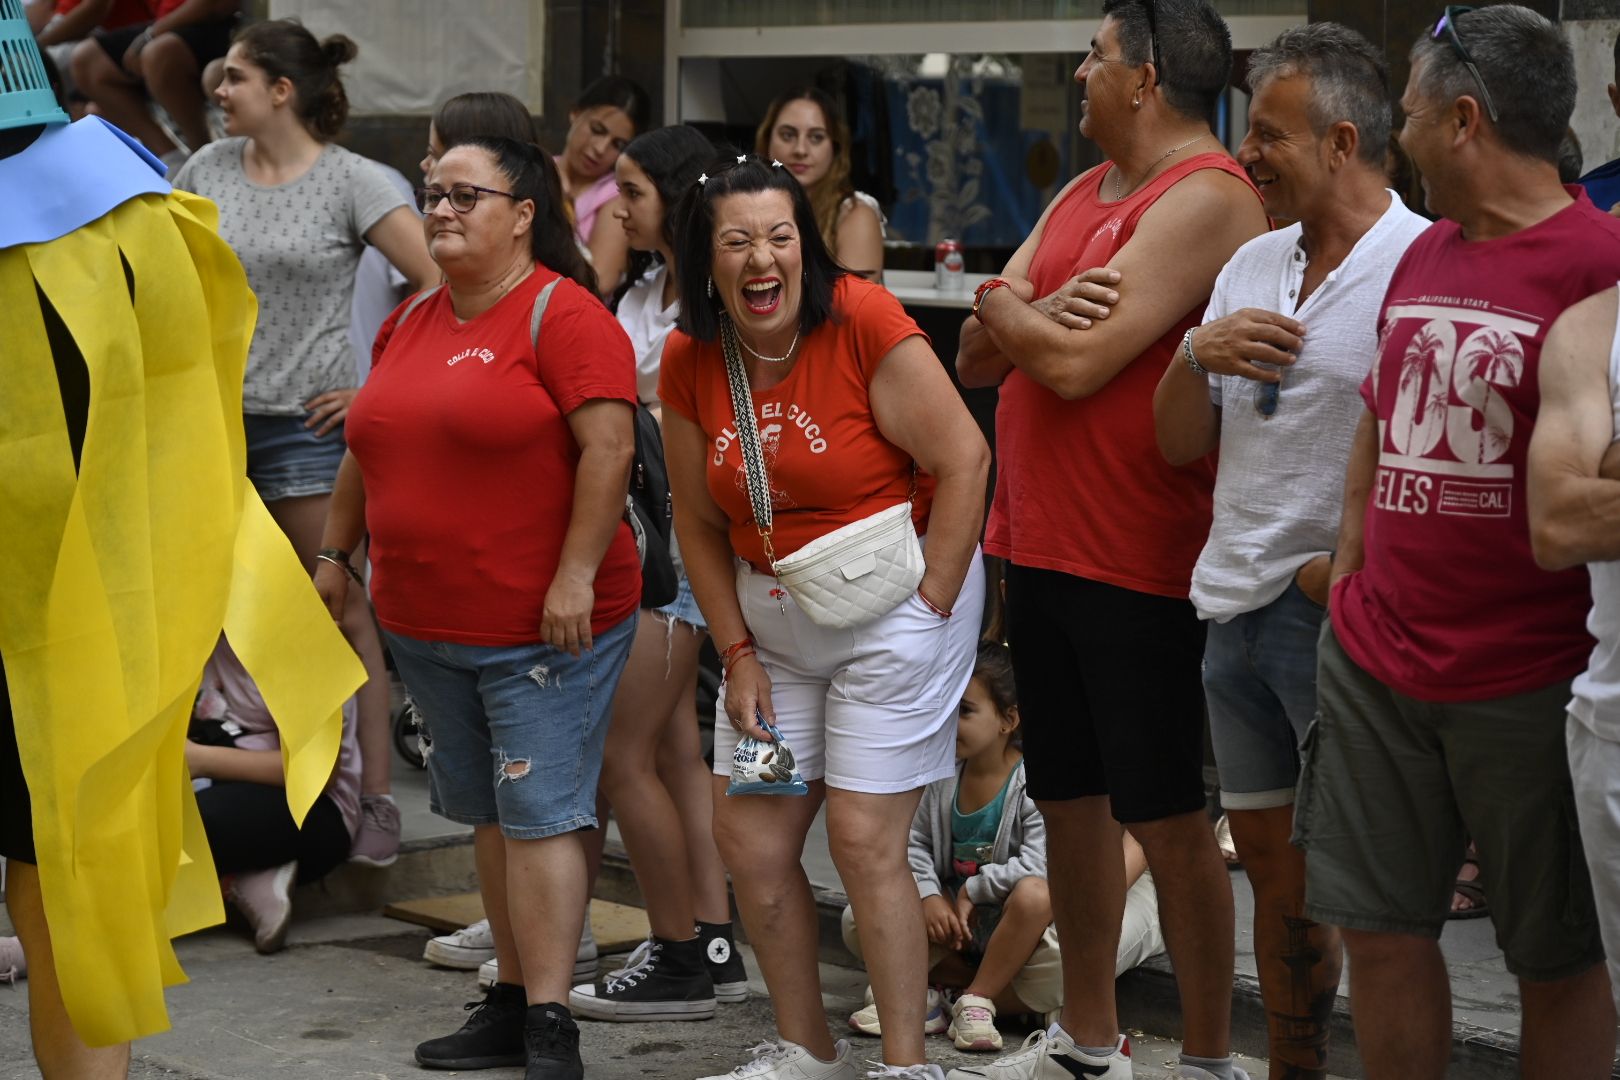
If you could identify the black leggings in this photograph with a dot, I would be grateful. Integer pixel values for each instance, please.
(250, 828)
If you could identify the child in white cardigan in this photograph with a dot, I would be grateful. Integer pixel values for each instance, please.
(978, 852)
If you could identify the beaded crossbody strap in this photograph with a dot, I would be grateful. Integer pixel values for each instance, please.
(753, 454)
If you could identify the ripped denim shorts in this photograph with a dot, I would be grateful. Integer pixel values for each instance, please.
(514, 733)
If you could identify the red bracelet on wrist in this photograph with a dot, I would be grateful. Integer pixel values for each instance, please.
(935, 608)
(730, 651)
(730, 661)
(984, 289)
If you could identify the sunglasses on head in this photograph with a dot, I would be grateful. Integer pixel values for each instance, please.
(1153, 40)
(1447, 26)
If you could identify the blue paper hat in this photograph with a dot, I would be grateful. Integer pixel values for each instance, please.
(25, 93)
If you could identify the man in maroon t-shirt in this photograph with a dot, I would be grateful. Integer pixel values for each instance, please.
(1445, 670)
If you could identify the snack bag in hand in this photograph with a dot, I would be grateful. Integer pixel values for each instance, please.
(765, 768)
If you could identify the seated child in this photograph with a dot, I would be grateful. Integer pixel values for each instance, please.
(234, 753)
(978, 852)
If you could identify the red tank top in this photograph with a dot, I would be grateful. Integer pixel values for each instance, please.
(1081, 487)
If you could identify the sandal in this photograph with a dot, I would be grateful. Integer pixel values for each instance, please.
(1471, 890)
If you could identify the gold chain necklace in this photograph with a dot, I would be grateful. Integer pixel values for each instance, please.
(1119, 173)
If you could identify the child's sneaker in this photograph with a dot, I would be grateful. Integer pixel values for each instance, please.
(973, 1024)
(1051, 1055)
(936, 1015)
(376, 843)
(13, 964)
(782, 1060)
(264, 897)
(584, 960)
(463, 950)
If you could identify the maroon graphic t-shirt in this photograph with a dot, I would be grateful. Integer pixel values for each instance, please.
(1450, 605)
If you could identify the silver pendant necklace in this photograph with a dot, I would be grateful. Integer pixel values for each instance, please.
(1119, 174)
(784, 358)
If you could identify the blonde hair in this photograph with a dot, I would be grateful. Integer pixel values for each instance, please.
(833, 190)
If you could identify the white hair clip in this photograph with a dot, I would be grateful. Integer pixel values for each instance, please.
(775, 164)
(704, 179)
(741, 158)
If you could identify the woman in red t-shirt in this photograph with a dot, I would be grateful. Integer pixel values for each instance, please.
(850, 402)
(489, 469)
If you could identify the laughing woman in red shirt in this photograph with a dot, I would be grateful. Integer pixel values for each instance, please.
(489, 469)
(850, 401)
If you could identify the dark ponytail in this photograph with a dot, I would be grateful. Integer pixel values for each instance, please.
(285, 49)
(533, 176)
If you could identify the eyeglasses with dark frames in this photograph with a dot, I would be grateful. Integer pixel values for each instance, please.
(463, 197)
(1153, 41)
(1448, 26)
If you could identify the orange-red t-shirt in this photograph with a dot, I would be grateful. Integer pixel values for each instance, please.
(122, 13)
(1081, 487)
(828, 463)
(461, 433)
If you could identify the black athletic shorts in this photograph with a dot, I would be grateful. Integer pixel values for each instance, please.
(16, 818)
(1110, 693)
(206, 40)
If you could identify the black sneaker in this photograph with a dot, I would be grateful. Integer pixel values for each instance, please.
(724, 962)
(665, 980)
(492, 1037)
(551, 1039)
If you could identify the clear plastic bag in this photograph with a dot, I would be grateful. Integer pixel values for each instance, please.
(765, 768)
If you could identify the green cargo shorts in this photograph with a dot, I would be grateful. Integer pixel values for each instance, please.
(1390, 790)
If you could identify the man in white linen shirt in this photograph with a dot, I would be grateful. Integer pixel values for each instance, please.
(1274, 376)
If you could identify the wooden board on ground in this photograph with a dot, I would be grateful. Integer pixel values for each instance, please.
(617, 927)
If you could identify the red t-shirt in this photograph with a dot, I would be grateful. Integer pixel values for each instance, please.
(122, 13)
(461, 434)
(828, 463)
(1451, 605)
(1081, 487)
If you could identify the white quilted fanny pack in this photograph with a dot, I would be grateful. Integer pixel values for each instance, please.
(852, 575)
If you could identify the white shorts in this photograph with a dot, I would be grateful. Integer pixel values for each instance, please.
(1594, 770)
(869, 709)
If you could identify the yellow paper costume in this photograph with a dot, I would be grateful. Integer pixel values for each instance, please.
(117, 579)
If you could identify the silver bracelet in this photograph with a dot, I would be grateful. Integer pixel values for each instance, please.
(1187, 353)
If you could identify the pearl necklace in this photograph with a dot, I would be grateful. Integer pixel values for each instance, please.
(784, 358)
(1119, 174)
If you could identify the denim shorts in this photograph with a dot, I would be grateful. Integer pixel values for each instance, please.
(514, 733)
(684, 607)
(286, 460)
(1260, 686)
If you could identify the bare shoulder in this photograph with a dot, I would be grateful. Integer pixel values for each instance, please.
(1585, 319)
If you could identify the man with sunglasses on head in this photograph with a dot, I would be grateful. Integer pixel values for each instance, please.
(1273, 378)
(1445, 670)
(1100, 533)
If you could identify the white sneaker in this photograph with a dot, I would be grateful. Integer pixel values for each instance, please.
(782, 1060)
(584, 960)
(265, 898)
(973, 1024)
(1050, 1055)
(905, 1072)
(1193, 1072)
(936, 1015)
(463, 950)
(13, 964)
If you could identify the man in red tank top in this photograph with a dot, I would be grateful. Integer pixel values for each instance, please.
(1100, 534)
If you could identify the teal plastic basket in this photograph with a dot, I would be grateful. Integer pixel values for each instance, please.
(25, 92)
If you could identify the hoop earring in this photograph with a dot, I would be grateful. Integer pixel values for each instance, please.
(710, 289)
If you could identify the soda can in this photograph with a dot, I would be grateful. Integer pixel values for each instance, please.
(949, 272)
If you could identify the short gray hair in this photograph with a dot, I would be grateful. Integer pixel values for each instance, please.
(1349, 82)
(1526, 64)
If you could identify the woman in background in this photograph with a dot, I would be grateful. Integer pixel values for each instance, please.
(612, 111)
(805, 130)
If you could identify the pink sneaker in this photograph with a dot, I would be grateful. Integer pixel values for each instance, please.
(13, 964)
(265, 898)
(377, 842)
